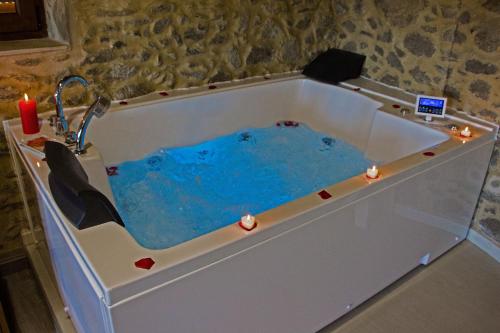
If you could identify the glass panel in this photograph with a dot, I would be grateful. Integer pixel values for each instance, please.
(7, 7)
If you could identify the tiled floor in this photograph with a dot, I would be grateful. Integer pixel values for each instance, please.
(30, 310)
(459, 293)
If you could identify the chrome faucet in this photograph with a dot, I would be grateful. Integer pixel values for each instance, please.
(59, 121)
(98, 109)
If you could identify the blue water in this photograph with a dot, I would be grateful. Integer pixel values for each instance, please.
(176, 194)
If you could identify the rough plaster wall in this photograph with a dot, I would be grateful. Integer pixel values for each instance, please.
(441, 47)
(129, 48)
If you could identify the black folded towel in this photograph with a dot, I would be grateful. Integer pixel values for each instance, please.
(334, 66)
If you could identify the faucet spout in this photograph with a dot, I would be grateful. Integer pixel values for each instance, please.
(98, 109)
(62, 127)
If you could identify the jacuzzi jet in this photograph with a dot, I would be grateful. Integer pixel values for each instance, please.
(248, 222)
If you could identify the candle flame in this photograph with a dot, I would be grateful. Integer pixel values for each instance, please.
(26, 97)
(374, 168)
(466, 128)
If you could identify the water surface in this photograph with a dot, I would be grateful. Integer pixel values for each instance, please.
(176, 194)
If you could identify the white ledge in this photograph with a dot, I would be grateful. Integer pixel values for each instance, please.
(28, 46)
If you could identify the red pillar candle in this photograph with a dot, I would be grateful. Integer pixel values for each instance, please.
(29, 117)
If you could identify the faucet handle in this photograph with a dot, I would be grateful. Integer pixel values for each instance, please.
(56, 122)
(60, 128)
(70, 137)
(53, 119)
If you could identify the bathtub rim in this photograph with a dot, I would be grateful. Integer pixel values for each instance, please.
(111, 286)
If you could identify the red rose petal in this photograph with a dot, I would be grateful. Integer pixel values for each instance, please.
(38, 142)
(396, 106)
(144, 263)
(429, 153)
(112, 171)
(324, 194)
(163, 93)
(290, 123)
(123, 103)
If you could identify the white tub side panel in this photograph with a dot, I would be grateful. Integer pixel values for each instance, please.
(392, 138)
(191, 120)
(303, 279)
(343, 113)
(82, 302)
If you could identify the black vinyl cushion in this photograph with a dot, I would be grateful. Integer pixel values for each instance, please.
(80, 202)
(334, 66)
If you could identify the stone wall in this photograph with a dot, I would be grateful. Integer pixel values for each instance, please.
(129, 48)
(134, 47)
(441, 47)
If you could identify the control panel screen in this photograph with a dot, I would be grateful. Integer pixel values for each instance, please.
(431, 106)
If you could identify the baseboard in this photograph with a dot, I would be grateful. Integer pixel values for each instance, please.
(13, 261)
(484, 244)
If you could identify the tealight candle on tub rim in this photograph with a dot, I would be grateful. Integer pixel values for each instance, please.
(248, 222)
(466, 132)
(372, 172)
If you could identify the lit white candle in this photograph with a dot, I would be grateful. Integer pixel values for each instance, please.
(372, 172)
(248, 221)
(466, 132)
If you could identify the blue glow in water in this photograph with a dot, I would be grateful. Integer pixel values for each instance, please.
(176, 194)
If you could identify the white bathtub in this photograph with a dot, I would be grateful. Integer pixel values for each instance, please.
(309, 261)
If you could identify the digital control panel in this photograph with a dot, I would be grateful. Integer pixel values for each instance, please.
(430, 106)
